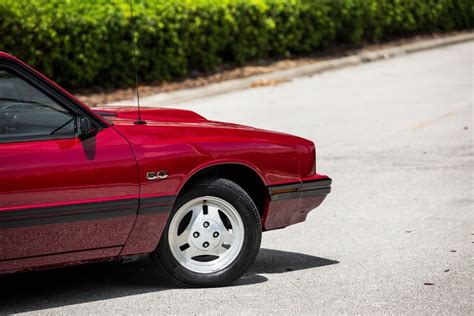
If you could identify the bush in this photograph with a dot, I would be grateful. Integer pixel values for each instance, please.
(87, 43)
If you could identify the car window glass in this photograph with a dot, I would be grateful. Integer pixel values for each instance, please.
(28, 113)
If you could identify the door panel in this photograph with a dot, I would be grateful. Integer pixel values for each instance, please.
(66, 195)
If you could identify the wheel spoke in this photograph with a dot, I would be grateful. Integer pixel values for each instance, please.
(193, 222)
(185, 235)
(221, 249)
(183, 238)
(213, 213)
(191, 252)
(227, 236)
(193, 219)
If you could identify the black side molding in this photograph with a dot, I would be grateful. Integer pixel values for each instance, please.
(162, 204)
(300, 189)
(85, 211)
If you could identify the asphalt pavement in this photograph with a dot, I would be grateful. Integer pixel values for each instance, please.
(396, 235)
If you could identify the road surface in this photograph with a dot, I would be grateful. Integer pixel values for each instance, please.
(396, 235)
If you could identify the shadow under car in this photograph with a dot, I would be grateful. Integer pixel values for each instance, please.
(39, 290)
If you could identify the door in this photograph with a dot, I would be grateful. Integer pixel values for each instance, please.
(59, 194)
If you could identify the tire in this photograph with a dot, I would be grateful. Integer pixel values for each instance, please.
(212, 236)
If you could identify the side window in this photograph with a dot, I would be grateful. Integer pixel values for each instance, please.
(27, 113)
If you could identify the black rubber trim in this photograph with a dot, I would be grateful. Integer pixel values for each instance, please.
(161, 200)
(67, 218)
(318, 184)
(85, 207)
(155, 209)
(318, 192)
(85, 211)
(273, 189)
(301, 189)
(106, 114)
(162, 204)
(36, 138)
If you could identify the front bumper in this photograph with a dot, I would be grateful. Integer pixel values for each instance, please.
(290, 203)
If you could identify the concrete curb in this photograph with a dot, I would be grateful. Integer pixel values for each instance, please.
(179, 96)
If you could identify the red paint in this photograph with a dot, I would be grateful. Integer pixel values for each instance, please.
(58, 175)
(146, 234)
(40, 240)
(184, 148)
(41, 173)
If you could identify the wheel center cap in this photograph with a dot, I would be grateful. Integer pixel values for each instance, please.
(206, 234)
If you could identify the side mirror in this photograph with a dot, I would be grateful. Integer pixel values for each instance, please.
(85, 129)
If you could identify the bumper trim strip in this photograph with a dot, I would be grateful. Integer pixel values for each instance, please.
(321, 187)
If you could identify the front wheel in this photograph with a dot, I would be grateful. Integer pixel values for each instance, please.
(212, 237)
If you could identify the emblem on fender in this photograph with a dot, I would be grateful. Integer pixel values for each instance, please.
(151, 175)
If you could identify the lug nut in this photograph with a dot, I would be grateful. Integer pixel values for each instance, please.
(215, 234)
(206, 224)
(195, 234)
(205, 244)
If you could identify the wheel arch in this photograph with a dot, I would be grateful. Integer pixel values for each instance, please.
(248, 177)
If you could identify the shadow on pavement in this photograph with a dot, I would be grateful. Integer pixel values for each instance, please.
(93, 282)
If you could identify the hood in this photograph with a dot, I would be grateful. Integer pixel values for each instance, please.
(168, 118)
(149, 114)
(176, 123)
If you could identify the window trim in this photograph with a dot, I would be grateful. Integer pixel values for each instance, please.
(52, 92)
(23, 139)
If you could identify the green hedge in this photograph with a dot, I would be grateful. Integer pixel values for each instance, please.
(87, 43)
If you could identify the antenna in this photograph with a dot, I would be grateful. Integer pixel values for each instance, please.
(139, 121)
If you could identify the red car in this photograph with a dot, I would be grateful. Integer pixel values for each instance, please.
(80, 185)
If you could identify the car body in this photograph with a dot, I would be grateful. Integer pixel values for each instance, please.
(103, 187)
